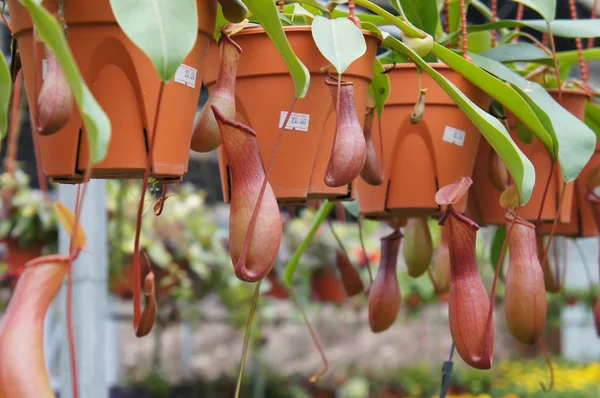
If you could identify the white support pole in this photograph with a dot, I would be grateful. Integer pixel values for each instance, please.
(90, 273)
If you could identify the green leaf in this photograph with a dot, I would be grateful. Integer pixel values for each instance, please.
(496, 248)
(479, 41)
(454, 15)
(267, 14)
(574, 142)
(379, 90)
(561, 27)
(96, 122)
(339, 40)
(523, 132)
(352, 207)
(502, 92)
(164, 30)
(320, 216)
(519, 166)
(518, 52)
(546, 8)
(422, 14)
(5, 89)
(592, 117)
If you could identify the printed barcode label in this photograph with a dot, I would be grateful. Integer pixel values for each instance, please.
(454, 136)
(44, 69)
(297, 121)
(186, 75)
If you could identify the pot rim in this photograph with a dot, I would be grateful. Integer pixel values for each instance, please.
(410, 65)
(569, 91)
(258, 29)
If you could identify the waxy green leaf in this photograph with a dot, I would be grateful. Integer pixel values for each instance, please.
(519, 166)
(592, 117)
(5, 89)
(164, 30)
(423, 14)
(560, 27)
(546, 8)
(339, 40)
(380, 87)
(517, 52)
(574, 142)
(96, 122)
(496, 88)
(267, 14)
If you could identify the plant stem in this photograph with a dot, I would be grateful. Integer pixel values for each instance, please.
(548, 181)
(136, 248)
(555, 59)
(364, 248)
(554, 224)
(313, 335)
(247, 337)
(290, 268)
(405, 27)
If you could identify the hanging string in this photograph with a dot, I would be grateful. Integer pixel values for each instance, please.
(520, 10)
(578, 43)
(494, 19)
(590, 42)
(465, 42)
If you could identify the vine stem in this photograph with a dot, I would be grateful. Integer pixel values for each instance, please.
(555, 60)
(290, 268)
(247, 337)
(335, 235)
(136, 251)
(364, 248)
(546, 188)
(313, 336)
(588, 274)
(554, 224)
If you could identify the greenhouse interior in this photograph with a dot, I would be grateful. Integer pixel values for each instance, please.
(425, 226)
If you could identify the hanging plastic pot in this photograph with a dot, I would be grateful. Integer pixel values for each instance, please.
(582, 224)
(126, 85)
(484, 207)
(420, 158)
(264, 93)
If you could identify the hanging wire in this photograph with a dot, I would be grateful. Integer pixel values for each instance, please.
(578, 43)
(520, 10)
(465, 40)
(447, 373)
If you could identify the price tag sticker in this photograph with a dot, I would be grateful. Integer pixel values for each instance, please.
(297, 121)
(186, 75)
(454, 136)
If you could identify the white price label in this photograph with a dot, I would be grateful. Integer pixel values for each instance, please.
(454, 136)
(297, 121)
(44, 69)
(186, 75)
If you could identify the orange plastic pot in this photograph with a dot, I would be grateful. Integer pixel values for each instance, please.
(421, 158)
(16, 256)
(126, 84)
(264, 94)
(484, 205)
(582, 223)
